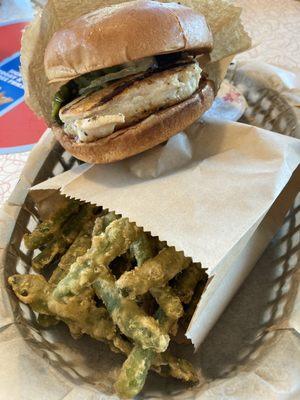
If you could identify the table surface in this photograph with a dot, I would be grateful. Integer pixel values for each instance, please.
(275, 31)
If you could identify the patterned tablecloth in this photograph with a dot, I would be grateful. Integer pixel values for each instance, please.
(275, 30)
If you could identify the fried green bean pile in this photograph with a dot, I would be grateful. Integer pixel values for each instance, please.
(116, 283)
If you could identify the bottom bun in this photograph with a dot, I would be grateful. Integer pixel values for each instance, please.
(148, 133)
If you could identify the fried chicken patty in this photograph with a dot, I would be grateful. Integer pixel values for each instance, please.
(128, 101)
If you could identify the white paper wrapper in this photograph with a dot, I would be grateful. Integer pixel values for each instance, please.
(213, 185)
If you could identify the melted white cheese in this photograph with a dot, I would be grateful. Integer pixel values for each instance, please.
(93, 128)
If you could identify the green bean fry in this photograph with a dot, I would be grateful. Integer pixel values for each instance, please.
(110, 244)
(46, 230)
(115, 283)
(155, 272)
(187, 281)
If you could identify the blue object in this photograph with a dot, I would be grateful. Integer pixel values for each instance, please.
(11, 85)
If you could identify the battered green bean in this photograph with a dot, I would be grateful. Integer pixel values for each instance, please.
(169, 365)
(134, 372)
(78, 248)
(143, 249)
(128, 316)
(165, 364)
(102, 223)
(168, 301)
(79, 313)
(178, 368)
(55, 247)
(33, 290)
(46, 230)
(135, 369)
(155, 272)
(186, 282)
(64, 238)
(105, 247)
(83, 271)
(131, 320)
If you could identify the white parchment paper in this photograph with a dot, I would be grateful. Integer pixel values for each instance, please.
(220, 178)
(207, 191)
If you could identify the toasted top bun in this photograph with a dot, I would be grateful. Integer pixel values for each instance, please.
(124, 32)
(151, 131)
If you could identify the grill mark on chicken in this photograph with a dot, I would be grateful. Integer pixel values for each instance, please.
(125, 84)
(97, 116)
(128, 83)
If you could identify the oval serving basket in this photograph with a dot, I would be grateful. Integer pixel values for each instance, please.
(266, 109)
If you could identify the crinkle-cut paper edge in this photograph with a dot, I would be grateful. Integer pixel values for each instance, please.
(118, 213)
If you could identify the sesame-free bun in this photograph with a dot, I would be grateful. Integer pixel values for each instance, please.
(146, 134)
(124, 32)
